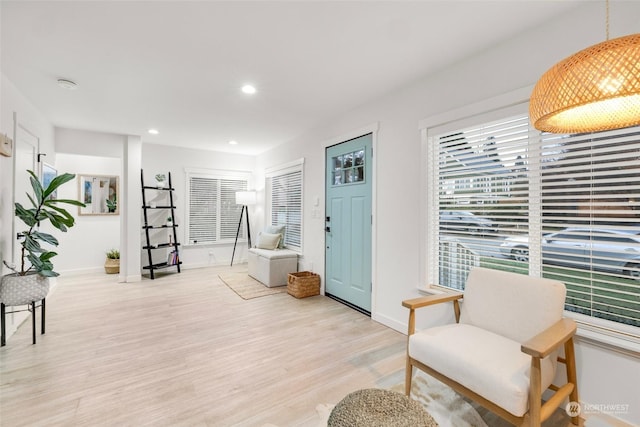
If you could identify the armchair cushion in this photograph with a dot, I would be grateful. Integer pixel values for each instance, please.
(512, 305)
(489, 364)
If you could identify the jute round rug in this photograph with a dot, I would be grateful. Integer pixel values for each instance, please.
(374, 407)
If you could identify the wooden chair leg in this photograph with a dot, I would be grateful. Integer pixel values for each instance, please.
(407, 377)
(535, 393)
(570, 357)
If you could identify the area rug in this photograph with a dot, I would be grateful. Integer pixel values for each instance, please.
(247, 287)
(446, 407)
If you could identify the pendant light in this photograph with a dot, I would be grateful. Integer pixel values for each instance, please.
(593, 90)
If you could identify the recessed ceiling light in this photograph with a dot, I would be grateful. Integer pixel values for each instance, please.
(67, 84)
(249, 89)
(232, 142)
(153, 131)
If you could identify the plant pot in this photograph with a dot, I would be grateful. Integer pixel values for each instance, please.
(112, 266)
(21, 290)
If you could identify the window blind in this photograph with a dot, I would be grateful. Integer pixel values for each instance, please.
(560, 206)
(213, 215)
(286, 205)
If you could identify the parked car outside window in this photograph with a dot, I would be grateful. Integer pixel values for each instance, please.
(614, 251)
(465, 221)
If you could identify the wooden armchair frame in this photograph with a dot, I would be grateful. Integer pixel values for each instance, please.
(538, 347)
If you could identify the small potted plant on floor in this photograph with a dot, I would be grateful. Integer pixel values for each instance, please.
(30, 280)
(112, 263)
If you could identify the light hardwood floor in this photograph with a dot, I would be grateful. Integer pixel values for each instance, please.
(186, 350)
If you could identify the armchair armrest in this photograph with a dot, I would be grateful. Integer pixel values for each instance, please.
(414, 303)
(550, 339)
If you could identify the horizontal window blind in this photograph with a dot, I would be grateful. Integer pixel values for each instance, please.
(286, 205)
(229, 211)
(213, 215)
(203, 212)
(560, 206)
(591, 221)
(483, 195)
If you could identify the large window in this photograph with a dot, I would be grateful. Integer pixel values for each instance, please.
(284, 195)
(560, 206)
(212, 213)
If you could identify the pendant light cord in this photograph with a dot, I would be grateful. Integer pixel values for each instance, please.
(607, 20)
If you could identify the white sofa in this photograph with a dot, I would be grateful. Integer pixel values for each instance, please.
(272, 266)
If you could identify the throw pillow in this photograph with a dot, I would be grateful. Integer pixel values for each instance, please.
(268, 241)
(277, 229)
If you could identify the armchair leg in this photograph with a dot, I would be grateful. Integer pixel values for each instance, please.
(407, 377)
(572, 378)
(535, 393)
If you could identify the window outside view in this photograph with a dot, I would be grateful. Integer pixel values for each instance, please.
(564, 206)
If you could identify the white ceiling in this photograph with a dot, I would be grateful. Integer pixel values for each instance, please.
(178, 65)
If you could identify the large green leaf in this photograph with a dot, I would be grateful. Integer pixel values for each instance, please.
(66, 218)
(56, 220)
(68, 201)
(57, 182)
(26, 215)
(37, 187)
(32, 245)
(46, 256)
(45, 237)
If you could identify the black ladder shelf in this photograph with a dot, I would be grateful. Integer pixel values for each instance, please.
(173, 260)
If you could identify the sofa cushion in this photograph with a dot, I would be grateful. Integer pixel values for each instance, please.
(268, 241)
(525, 307)
(276, 229)
(274, 254)
(482, 361)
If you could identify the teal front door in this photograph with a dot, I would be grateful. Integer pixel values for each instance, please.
(348, 222)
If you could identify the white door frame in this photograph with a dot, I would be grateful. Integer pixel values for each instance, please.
(373, 130)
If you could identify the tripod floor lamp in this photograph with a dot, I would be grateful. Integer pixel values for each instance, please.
(246, 199)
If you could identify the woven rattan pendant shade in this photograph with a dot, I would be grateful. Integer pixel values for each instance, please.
(593, 90)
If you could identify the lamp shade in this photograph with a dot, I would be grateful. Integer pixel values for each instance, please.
(593, 90)
(245, 198)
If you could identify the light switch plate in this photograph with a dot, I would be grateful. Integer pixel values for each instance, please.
(6, 145)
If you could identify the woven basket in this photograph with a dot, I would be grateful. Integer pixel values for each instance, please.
(112, 266)
(303, 284)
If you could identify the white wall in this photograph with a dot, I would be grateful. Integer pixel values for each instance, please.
(163, 158)
(87, 153)
(13, 102)
(92, 236)
(514, 64)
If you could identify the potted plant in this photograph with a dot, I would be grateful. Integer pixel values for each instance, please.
(112, 204)
(161, 179)
(112, 263)
(30, 281)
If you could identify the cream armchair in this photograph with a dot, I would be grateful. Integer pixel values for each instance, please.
(502, 352)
